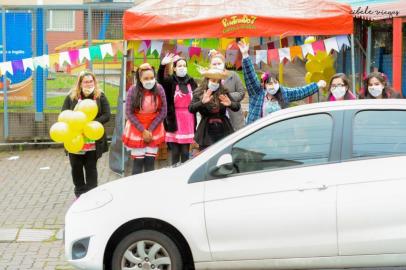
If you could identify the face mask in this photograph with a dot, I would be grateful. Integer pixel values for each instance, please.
(87, 91)
(272, 90)
(375, 91)
(219, 67)
(213, 86)
(338, 92)
(181, 72)
(148, 84)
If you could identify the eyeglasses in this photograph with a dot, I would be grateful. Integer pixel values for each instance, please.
(337, 85)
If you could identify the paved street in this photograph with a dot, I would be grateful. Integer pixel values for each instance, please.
(36, 190)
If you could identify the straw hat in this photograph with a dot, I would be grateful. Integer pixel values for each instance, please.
(214, 73)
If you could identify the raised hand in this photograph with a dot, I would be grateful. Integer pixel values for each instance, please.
(167, 59)
(207, 96)
(244, 47)
(225, 100)
(321, 84)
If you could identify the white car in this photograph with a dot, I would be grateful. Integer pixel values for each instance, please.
(314, 186)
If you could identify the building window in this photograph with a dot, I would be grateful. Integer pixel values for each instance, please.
(61, 20)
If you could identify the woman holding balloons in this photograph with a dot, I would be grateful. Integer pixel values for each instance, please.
(145, 110)
(84, 151)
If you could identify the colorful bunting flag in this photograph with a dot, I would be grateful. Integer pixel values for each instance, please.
(261, 56)
(53, 59)
(6, 67)
(156, 45)
(318, 46)
(106, 49)
(95, 52)
(84, 53)
(273, 56)
(28, 63)
(41, 61)
(296, 51)
(74, 56)
(284, 53)
(17, 65)
(343, 40)
(195, 51)
(331, 44)
(306, 49)
(64, 57)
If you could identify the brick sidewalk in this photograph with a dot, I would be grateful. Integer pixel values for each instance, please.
(36, 190)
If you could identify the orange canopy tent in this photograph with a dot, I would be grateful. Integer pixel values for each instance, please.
(189, 19)
(183, 19)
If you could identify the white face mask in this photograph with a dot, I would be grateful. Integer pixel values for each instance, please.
(181, 71)
(338, 92)
(213, 86)
(272, 89)
(375, 91)
(148, 84)
(87, 91)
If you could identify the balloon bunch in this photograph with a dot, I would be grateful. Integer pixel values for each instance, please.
(319, 66)
(73, 126)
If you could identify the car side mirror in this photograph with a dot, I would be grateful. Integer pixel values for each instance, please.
(224, 166)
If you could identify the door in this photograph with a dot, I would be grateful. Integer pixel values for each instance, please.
(372, 201)
(278, 203)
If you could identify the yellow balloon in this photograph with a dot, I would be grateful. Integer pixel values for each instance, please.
(74, 144)
(59, 132)
(328, 73)
(308, 77)
(321, 55)
(316, 76)
(93, 130)
(310, 39)
(89, 107)
(314, 66)
(77, 121)
(65, 116)
(328, 62)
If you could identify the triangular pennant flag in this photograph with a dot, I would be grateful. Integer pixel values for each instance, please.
(84, 53)
(331, 44)
(53, 59)
(343, 40)
(145, 44)
(106, 49)
(271, 45)
(134, 45)
(156, 45)
(273, 56)
(117, 46)
(64, 57)
(296, 51)
(318, 46)
(28, 63)
(195, 51)
(17, 65)
(284, 53)
(6, 67)
(231, 56)
(261, 56)
(307, 49)
(41, 61)
(74, 56)
(182, 51)
(95, 52)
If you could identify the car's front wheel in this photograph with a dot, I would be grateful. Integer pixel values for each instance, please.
(147, 249)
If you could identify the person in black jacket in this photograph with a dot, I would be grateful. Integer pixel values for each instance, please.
(211, 100)
(179, 123)
(86, 88)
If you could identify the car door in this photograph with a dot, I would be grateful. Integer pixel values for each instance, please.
(371, 201)
(278, 202)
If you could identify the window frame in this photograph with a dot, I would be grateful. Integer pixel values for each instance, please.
(202, 173)
(51, 28)
(350, 125)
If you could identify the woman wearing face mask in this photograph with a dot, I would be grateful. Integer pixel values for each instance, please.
(268, 96)
(377, 87)
(86, 88)
(234, 85)
(179, 123)
(339, 88)
(145, 111)
(211, 99)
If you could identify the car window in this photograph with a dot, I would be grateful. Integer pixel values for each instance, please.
(297, 141)
(379, 133)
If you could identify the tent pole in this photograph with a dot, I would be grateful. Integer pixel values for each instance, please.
(124, 85)
(353, 63)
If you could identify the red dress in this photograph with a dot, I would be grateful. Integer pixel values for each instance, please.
(132, 137)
